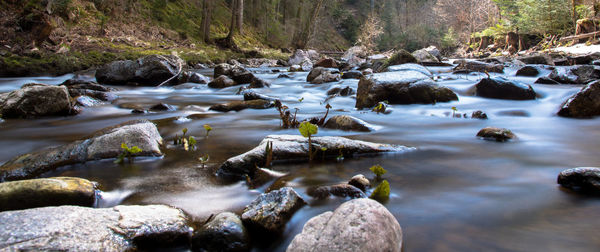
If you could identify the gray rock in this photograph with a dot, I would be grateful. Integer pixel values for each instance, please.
(105, 143)
(73, 228)
(162, 107)
(320, 75)
(301, 56)
(294, 148)
(223, 232)
(24, 194)
(222, 82)
(345, 122)
(529, 71)
(403, 87)
(86, 101)
(240, 75)
(584, 179)
(150, 70)
(295, 68)
(241, 105)
(479, 115)
(497, 134)
(78, 87)
(410, 67)
(423, 55)
(337, 91)
(477, 66)
(575, 75)
(222, 69)
(352, 74)
(540, 59)
(259, 83)
(339, 190)
(357, 225)
(251, 95)
(500, 88)
(36, 100)
(193, 77)
(361, 182)
(399, 58)
(584, 104)
(271, 211)
(546, 81)
(326, 63)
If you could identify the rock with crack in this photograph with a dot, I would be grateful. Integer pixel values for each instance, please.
(401, 87)
(105, 143)
(224, 232)
(295, 148)
(241, 105)
(270, 212)
(357, 225)
(500, 88)
(584, 104)
(583, 179)
(73, 228)
(32, 193)
(37, 100)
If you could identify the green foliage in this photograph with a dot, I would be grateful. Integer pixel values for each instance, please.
(188, 143)
(204, 159)
(378, 171)
(449, 40)
(381, 192)
(308, 129)
(535, 16)
(127, 153)
(584, 11)
(380, 107)
(207, 128)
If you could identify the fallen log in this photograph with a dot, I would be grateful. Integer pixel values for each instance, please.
(581, 36)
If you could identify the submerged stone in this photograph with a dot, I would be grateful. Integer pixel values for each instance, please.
(497, 134)
(270, 212)
(584, 179)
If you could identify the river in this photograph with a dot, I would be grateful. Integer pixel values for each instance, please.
(454, 193)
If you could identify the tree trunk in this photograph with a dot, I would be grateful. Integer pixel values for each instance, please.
(240, 16)
(306, 31)
(206, 20)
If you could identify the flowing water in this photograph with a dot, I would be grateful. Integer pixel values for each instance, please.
(455, 193)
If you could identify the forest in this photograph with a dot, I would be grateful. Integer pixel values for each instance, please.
(299, 125)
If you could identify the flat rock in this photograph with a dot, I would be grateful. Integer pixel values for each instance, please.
(346, 122)
(500, 88)
(326, 62)
(270, 212)
(37, 100)
(105, 143)
(540, 59)
(401, 87)
(584, 179)
(410, 67)
(241, 105)
(295, 148)
(584, 104)
(357, 225)
(73, 228)
(497, 134)
(224, 232)
(32, 193)
(339, 190)
(575, 75)
(477, 66)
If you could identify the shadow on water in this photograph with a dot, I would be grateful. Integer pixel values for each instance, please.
(455, 193)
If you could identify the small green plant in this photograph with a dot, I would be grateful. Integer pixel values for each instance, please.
(308, 129)
(127, 153)
(287, 121)
(323, 150)
(301, 99)
(208, 129)
(189, 143)
(454, 109)
(204, 159)
(322, 121)
(340, 157)
(381, 192)
(269, 154)
(380, 107)
(378, 171)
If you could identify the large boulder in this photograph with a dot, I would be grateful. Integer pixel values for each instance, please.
(222, 82)
(295, 148)
(410, 67)
(529, 71)
(105, 143)
(500, 88)
(401, 87)
(73, 228)
(355, 55)
(301, 56)
(357, 225)
(326, 63)
(585, 179)
(24, 194)
(151, 70)
(398, 58)
(586, 103)
(36, 100)
(320, 75)
(271, 211)
(478, 66)
(223, 232)
(346, 122)
(423, 55)
(235, 72)
(79, 87)
(575, 75)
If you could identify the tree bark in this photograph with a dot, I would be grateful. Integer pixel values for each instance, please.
(303, 37)
(240, 16)
(206, 20)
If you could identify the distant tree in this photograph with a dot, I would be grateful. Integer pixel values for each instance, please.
(207, 10)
